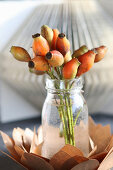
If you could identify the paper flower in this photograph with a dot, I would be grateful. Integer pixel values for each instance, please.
(25, 148)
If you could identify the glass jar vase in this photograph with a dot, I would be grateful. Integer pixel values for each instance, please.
(64, 117)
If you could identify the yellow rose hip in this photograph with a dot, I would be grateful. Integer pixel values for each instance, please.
(67, 57)
(82, 50)
(47, 33)
(20, 54)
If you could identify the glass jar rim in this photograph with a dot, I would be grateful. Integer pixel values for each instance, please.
(75, 84)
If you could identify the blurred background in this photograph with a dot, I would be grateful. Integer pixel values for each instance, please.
(87, 22)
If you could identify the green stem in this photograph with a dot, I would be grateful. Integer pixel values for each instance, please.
(77, 117)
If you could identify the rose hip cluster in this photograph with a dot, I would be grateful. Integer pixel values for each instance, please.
(51, 49)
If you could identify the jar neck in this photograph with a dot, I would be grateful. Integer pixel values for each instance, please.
(64, 86)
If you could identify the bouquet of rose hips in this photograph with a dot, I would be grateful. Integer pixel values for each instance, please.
(52, 55)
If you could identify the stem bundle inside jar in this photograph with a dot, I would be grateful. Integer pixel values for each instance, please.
(52, 56)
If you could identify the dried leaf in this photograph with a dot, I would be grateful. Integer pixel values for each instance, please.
(9, 143)
(87, 165)
(35, 163)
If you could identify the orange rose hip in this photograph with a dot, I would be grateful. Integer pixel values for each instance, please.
(55, 36)
(62, 44)
(70, 69)
(87, 61)
(55, 58)
(101, 51)
(40, 45)
(39, 64)
(32, 70)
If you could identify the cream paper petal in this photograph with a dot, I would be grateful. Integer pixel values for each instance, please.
(40, 135)
(38, 149)
(27, 138)
(92, 152)
(17, 137)
(34, 142)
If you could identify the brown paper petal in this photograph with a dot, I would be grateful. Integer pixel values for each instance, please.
(35, 163)
(107, 163)
(87, 165)
(46, 159)
(99, 156)
(11, 163)
(72, 151)
(92, 126)
(59, 159)
(99, 133)
(19, 151)
(108, 154)
(27, 138)
(110, 145)
(9, 143)
(64, 155)
(70, 163)
(17, 137)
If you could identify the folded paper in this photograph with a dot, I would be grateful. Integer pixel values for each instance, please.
(25, 148)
